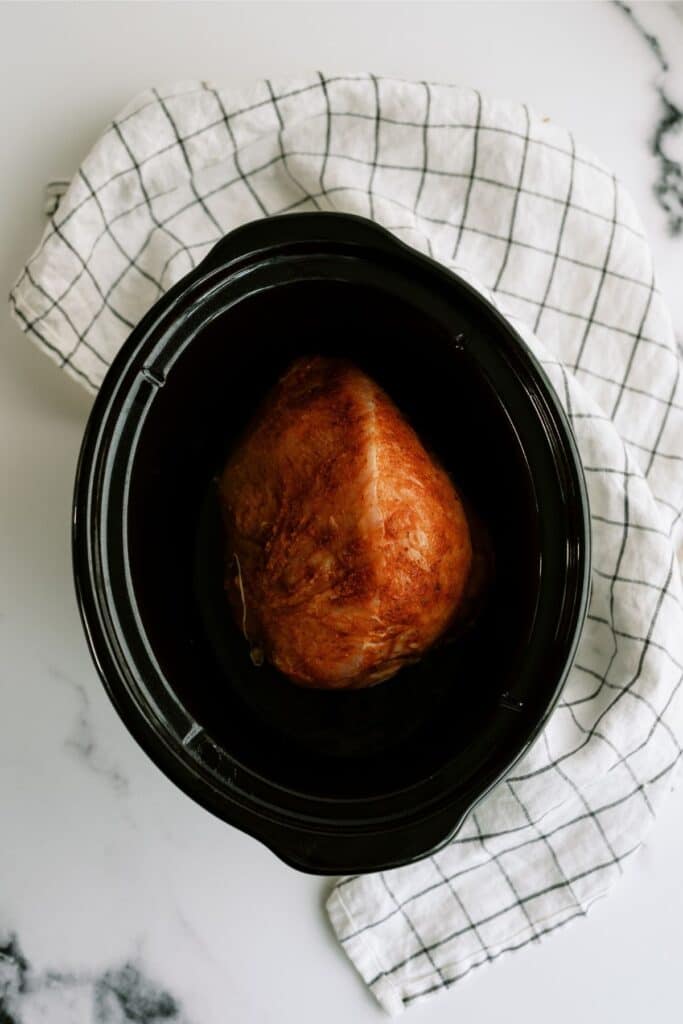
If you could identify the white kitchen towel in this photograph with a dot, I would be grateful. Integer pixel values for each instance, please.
(511, 202)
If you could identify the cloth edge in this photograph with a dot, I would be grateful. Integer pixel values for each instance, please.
(46, 341)
(363, 955)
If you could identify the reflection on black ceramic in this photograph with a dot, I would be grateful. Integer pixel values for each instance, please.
(332, 782)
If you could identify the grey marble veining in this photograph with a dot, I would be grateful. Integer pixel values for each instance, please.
(124, 995)
(82, 739)
(667, 133)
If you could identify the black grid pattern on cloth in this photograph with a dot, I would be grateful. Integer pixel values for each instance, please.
(517, 207)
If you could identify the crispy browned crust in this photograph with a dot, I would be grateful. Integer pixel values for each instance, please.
(348, 548)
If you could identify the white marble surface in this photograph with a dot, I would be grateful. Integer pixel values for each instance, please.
(129, 903)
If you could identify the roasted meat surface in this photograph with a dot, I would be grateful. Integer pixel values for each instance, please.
(348, 548)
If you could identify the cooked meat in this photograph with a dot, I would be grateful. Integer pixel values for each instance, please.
(348, 548)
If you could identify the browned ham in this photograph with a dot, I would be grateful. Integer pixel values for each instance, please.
(348, 549)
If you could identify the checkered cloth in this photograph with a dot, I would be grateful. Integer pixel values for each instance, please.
(512, 203)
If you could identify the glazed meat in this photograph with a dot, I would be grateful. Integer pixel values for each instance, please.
(348, 549)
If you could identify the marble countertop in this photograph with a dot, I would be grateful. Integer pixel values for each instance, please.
(120, 900)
